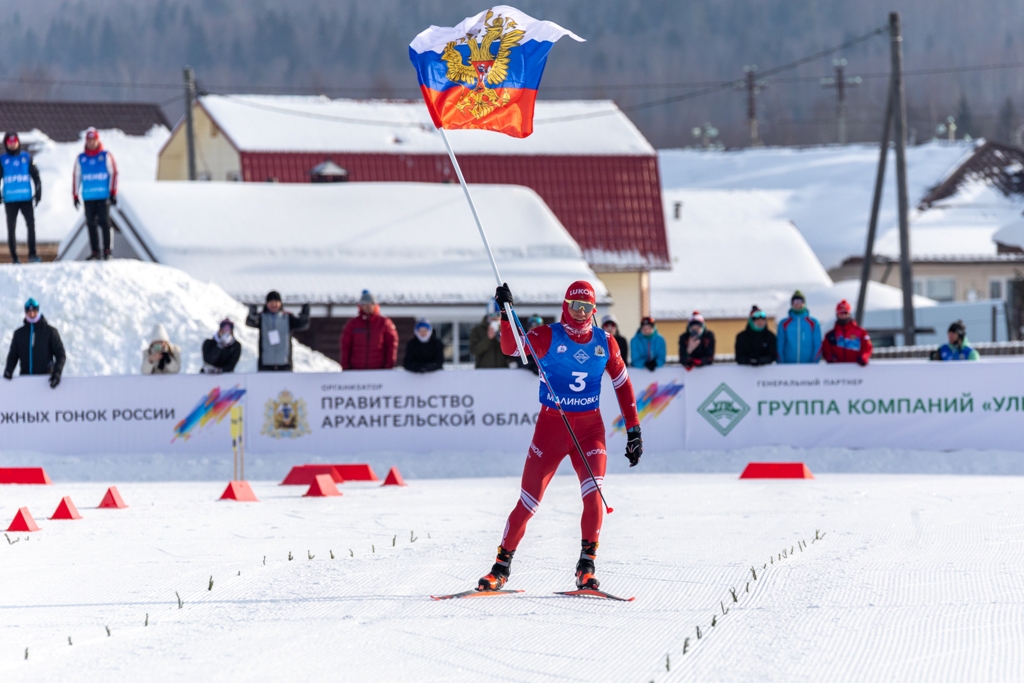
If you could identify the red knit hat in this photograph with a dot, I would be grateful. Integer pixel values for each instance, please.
(843, 307)
(696, 318)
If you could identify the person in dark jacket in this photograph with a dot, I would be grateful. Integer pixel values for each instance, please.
(531, 363)
(37, 347)
(610, 324)
(697, 344)
(276, 326)
(485, 341)
(424, 352)
(756, 345)
(18, 172)
(369, 340)
(221, 353)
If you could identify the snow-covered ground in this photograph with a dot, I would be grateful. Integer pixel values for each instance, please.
(912, 578)
(105, 312)
(136, 158)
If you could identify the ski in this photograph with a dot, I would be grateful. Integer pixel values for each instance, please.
(474, 593)
(593, 593)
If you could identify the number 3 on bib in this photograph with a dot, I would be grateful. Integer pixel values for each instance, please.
(581, 381)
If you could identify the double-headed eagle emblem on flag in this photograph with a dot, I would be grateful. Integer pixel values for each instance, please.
(485, 67)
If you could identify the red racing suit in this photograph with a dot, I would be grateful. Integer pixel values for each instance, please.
(847, 343)
(552, 442)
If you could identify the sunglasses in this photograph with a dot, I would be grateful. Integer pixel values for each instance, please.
(584, 306)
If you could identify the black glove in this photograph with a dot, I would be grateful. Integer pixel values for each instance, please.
(634, 446)
(113, 200)
(7, 374)
(651, 365)
(77, 203)
(54, 380)
(503, 295)
(39, 197)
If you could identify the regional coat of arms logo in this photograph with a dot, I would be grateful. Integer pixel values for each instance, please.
(285, 417)
(487, 68)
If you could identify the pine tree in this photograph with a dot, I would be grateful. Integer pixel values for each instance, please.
(965, 124)
(1007, 123)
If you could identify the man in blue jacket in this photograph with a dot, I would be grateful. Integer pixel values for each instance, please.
(799, 335)
(19, 172)
(648, 347)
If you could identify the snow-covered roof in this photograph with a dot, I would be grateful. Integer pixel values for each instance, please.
(136, 160)
(731, 249)
(830, 186)
(273, 123)
(105, 314)
(409, 243)
(960, 226)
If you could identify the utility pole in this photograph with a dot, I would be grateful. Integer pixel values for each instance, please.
(876, 201)
(840, 82)
(752, 86)
(899, 113)
(190, 139)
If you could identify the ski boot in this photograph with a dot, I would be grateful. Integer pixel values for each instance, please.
(585, 567)
(94, 256)
(106, 254)
(495, 581)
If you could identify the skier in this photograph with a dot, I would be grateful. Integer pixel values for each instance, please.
(573, 354)
(19, 171)
(96, 175)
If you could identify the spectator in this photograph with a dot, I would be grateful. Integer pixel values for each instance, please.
(756, 345)
(161, 357)
(424, 352)
(18, 171)
(648, 346)
(276, 327)
(369, 340)
(485, 341)
(96, 176)
(37, 347)
(847, 342)
(221, 353)
(799, 338)
(531, 363)
(958, 348)
(610, 324)
(697, 344)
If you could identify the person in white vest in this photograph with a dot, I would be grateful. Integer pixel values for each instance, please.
(161, 357)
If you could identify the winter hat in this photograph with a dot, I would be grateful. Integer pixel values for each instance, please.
(273, 295)
(609, 318)
(159, 333)
(843, 307)
(647, 320)
(696, 318)
(31, 303)
(92, 134)
(958, 327)
(423, 323)
(12, 137)
(581, 290)
(798, 295)
(367, 298)
(534, 321)
(227, 322)
(756, 312)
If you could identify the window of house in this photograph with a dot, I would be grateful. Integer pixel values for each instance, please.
(995, 289)
(940, 288)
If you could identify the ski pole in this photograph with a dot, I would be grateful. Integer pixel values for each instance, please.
(483, 236)
(565, 419)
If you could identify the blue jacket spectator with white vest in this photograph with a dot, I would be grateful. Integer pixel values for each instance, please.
(95, 181)
(276, 326)
(19, 173)
(799, 335)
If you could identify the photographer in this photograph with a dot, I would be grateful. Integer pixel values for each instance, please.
(161, 357)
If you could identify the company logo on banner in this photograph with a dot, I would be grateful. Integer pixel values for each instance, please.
(211, 408)
(285, 417)
(651, 403)
(723, 409)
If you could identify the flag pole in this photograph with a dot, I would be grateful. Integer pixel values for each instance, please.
(487, 245)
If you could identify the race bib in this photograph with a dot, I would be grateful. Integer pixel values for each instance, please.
(274, 337)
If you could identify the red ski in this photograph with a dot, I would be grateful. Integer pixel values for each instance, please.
(474, 593)
(593, 593)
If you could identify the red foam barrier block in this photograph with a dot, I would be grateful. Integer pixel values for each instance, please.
(23, 521)
(112, 499)
(240, 491)
(776, 470)
(303, 475)
(24, 475)
(394, 478)
(356, 472)
(66, 510)
(322, 486)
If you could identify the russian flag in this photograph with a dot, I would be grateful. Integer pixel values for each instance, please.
(485, 72)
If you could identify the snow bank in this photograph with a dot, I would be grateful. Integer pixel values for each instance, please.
(136, 160)
(106, 311)
(831, 185)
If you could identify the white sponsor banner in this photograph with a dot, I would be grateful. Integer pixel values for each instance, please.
(338, 415)
(912, 405)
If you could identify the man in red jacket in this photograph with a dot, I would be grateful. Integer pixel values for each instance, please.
(369, 341)
(847, 342)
